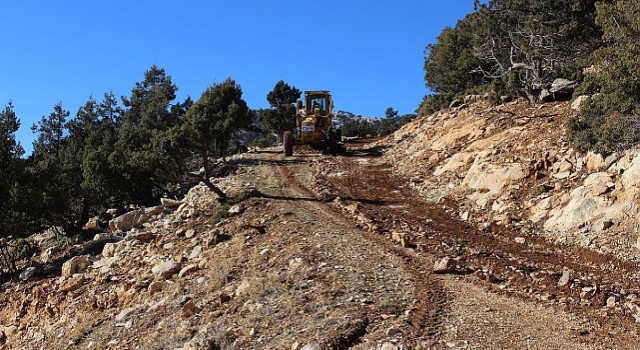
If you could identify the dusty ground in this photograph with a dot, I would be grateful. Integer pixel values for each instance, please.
(335, 253)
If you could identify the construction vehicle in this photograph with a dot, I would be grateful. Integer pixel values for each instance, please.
(314, 125)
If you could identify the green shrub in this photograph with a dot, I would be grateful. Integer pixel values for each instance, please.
(265, 140)
(594, 131)
(19, 249)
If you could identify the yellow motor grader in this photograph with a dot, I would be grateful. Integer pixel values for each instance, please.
(314, 125)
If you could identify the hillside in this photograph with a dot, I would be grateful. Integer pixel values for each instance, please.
(477, 227)
(511, 166)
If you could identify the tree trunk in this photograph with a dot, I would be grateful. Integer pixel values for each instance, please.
(212, 187)
(215, 189)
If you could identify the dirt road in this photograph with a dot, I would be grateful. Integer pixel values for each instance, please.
(495, 290)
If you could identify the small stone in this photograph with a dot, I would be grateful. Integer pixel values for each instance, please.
(156, 286)
(47, 255)
(520, 240)
(392, 332)
(187, 270)
(170, 203)
(9, 330)
(72, 284)
(28, 273)
(77, 264)
(295, 263)
(224, 297)
(143, 236)
(311, 347)
(444, 265)
(602, 225)
(562, 175)
(190, 233)
(123, 314)
(195, 253)
(111, 249)
(188, 309)
(165, 270)
(565, 278)
(389, 346)
(236, 209)
(611, 302)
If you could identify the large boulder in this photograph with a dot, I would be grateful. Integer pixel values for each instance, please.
(491, 178)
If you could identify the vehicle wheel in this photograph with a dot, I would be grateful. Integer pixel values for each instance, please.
(332, 142)
(288, 143)
(340, 148)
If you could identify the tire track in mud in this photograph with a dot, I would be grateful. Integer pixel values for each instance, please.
(424, 325)
(602, 288)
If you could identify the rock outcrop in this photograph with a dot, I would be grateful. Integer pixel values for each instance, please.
(511, 165)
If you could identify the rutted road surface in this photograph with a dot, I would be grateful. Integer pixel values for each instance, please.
(493, 289)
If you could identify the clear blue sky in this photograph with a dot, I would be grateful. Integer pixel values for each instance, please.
(369, 54)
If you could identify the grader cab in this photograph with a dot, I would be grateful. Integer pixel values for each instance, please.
(314, 125)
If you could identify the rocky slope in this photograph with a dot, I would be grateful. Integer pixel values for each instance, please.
(511, 165)
(470, 240)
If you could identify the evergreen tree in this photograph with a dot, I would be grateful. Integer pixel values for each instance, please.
(211, 124)
(139, 158)
(11, 220)
(611, 121)
(51, 189)
(281, 116)
(528, 44)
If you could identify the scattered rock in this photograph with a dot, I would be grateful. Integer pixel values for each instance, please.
(594, 162)
(187, 270)
(170, 203)
(112, 249)
(124, 313)
(156, 286)
(392, 332)
(77, 264)
(72, 284)
(189, 233)
(142, 236)
(28, 273)
(388, 346)
(165, 269)
(47, 255)
(565, 278)
(236, 209)
(188, 309)
(313, 346)
(402, 238)
(598, 183)
(444, 265)
(128, 220)
(579, 102)
(602, 225)
(195, 253)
